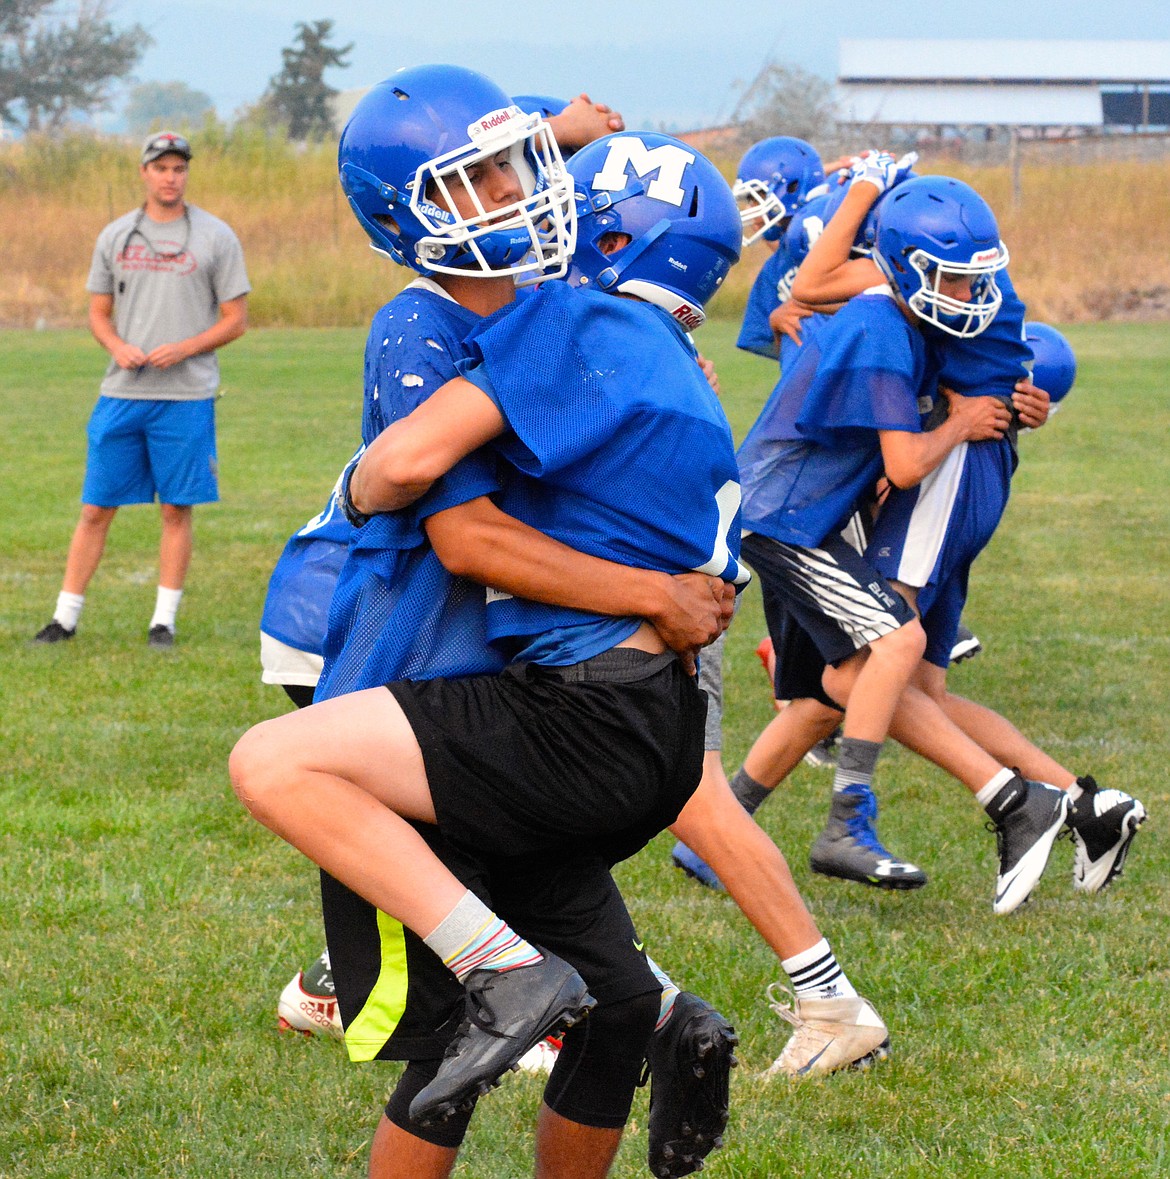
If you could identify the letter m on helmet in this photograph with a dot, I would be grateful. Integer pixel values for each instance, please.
(628, 151)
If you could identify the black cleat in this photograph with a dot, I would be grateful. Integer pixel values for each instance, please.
(690, 1060)
(1026, 817)
(160, 637)
(1103, 824)
(54, 633)
(508, 1012)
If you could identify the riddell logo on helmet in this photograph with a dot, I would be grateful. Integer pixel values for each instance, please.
(989, 255)
(688, 316)
(497, 119)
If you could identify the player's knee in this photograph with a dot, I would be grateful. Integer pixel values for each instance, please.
(905, 646)
(96, 518)
(448, 1134)
(256, 772)
(599, 1067)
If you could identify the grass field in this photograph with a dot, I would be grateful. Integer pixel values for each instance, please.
(147, 925)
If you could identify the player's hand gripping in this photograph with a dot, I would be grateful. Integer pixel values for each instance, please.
(696, 609)
(880, 169)
(785, 320)
(1032, 404)
(982, 418)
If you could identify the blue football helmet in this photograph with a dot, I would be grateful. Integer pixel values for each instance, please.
(1054, 365)
(419, 134)
(774, 178)
(676, 208)
(934, 228)
(539, 104)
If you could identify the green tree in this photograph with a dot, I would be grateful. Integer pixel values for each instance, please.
(785, 100)
(60, 60)
(298, 96)
(165, 104)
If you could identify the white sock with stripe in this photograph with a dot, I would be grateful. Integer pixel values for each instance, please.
(816, 974)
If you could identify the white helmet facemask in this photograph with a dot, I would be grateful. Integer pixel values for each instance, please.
(760, 209)
(530, 239)
(957, 317)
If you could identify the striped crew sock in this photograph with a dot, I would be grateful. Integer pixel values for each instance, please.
(816, 974)
(669, 993)
(471, 937)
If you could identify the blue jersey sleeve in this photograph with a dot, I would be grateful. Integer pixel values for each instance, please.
(756, 333)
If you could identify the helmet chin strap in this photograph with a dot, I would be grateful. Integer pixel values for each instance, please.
(610, 277)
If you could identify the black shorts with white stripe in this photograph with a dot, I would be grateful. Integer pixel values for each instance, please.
(833, 593)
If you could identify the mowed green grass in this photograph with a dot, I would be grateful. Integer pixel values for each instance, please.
(147, 926)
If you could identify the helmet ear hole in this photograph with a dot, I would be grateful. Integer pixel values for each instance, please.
(387, 222)
(612, 241)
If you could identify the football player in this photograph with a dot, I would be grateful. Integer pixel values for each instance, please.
(448, 215)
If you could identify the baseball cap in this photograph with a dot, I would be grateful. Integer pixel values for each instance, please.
(162, 142)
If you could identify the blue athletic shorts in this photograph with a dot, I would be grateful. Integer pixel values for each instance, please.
(928, 536)
(142, 449)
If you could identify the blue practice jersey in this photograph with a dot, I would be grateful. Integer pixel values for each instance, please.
(814, 451)
(623, 450)
(397, 613)
(296, 607)
(992, 362)
(756, 333)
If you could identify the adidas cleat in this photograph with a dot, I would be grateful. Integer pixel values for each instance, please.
(309, 1003)
(1026, 817)
(695, 867)
(830, 1034)
(1103, 824)
(508, 1013)
(849, 848)
(690, 1059)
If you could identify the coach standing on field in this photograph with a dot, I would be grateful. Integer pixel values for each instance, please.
(167, 288)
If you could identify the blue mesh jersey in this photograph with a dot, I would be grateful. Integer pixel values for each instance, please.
(814, 451)
(396, 612)
(622, 448)
(756, 334)
(992, 362)
(296, 607)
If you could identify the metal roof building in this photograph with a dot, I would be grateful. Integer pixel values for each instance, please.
(983, 83)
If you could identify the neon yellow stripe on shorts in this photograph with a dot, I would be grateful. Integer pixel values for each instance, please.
(375, 1023)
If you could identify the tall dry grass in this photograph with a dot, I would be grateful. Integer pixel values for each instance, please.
(1088, 241)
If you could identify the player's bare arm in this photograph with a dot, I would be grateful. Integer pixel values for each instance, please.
(410, 454)
(828, 274)
(583, 121)
(233, 322)
(909, 458)
(479, 541)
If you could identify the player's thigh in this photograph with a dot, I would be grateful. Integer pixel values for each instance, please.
(363, 737)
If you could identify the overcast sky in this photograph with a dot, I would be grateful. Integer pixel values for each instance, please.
(680, 63)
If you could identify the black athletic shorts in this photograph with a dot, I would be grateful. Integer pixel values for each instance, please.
(832, 592)
(600, 755)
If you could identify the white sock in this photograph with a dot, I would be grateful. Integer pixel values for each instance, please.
(68, 609)
(994, 787)
(166, 606)
(816, 973)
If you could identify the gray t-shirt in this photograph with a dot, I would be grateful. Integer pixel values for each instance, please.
(168, 285)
